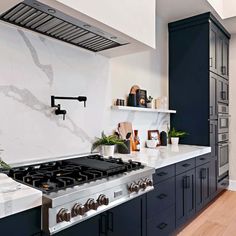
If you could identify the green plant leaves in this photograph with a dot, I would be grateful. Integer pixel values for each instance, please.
(176, 133)
(108, 140)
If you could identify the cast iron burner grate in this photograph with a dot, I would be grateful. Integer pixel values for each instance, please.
(58, 175)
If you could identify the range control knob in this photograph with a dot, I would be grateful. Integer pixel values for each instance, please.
(142, 184)
(63, 215)
(103, 200)
(78, 209)
(91, 204)
(133, 188)
(149, 182)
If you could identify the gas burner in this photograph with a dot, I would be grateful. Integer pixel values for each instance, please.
(57, 175)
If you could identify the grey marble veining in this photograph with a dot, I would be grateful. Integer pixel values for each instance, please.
(47, 69)
(25, 97)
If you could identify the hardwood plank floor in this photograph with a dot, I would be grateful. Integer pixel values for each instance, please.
(219, 219)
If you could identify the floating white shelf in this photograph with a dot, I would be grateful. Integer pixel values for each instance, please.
(127, 108)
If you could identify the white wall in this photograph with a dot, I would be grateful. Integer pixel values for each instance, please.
(232, 107)
(33, 68)
(132, 17)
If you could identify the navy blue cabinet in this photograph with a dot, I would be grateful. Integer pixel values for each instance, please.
(199, 71)
(203, 195)
(90, 227)
(160, 210)
(185, 197)
(27, 223)
(127, 219)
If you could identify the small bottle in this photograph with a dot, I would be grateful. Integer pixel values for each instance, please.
(136, 141)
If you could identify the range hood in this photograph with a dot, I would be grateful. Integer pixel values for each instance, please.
(55, 20)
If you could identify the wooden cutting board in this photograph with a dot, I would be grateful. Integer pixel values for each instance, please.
(125, 128)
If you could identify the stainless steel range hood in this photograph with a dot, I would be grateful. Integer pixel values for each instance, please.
(51, 21)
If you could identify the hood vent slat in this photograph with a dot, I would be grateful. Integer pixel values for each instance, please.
(43, 19)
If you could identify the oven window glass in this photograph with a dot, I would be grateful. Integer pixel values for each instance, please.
(224, 156)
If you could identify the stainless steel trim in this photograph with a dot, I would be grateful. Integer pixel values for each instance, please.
(58, 198)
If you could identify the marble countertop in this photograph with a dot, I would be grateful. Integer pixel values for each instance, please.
(164, 156)
(16, 197)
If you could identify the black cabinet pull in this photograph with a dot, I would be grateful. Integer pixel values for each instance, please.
(161, 226)
(223, 95)
(202, 159)
(203, 173)
(110, 221)
(162, 173)
(223, 70)
(103, 225)
(186, 182)
(186, 165)
(162, 196)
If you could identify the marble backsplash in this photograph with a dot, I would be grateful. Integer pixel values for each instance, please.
(32, 69)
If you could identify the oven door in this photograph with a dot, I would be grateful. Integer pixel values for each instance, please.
(223, 123)
(223, 157)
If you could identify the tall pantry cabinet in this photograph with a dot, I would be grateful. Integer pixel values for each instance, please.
(198, 83)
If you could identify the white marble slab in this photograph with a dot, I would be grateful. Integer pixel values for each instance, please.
(15, 197)
(164, 156)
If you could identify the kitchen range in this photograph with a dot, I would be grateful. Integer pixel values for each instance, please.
(81, 187)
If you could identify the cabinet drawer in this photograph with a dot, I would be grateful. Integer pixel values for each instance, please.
(203, 159)
(162, 197)
(163, 173)
(185, 166)
(164, 225)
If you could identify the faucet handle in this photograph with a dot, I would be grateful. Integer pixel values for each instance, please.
(82, 99)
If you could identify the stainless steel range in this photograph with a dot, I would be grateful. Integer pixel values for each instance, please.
(79, 188)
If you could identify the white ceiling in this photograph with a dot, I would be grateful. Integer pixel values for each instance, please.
(173, 10)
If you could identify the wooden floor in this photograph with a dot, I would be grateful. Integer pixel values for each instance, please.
(219, 219)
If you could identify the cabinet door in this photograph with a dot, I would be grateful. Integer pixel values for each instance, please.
(213, 48)
(202, 185)
(27, 223)
(213, 177)
(222, 90)
(90, 227)
(225, 68)
(220, 45)
(213, 138)
(213, 94)
(127, 219)
(185, 196)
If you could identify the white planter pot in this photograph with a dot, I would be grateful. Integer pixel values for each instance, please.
(107, 150)
(174, 141)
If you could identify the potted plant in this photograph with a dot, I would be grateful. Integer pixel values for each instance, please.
(107, 144)
(149, 102)
(175, 135)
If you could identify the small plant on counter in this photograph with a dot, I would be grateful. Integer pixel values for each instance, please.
(107, 144)
(174, 135)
